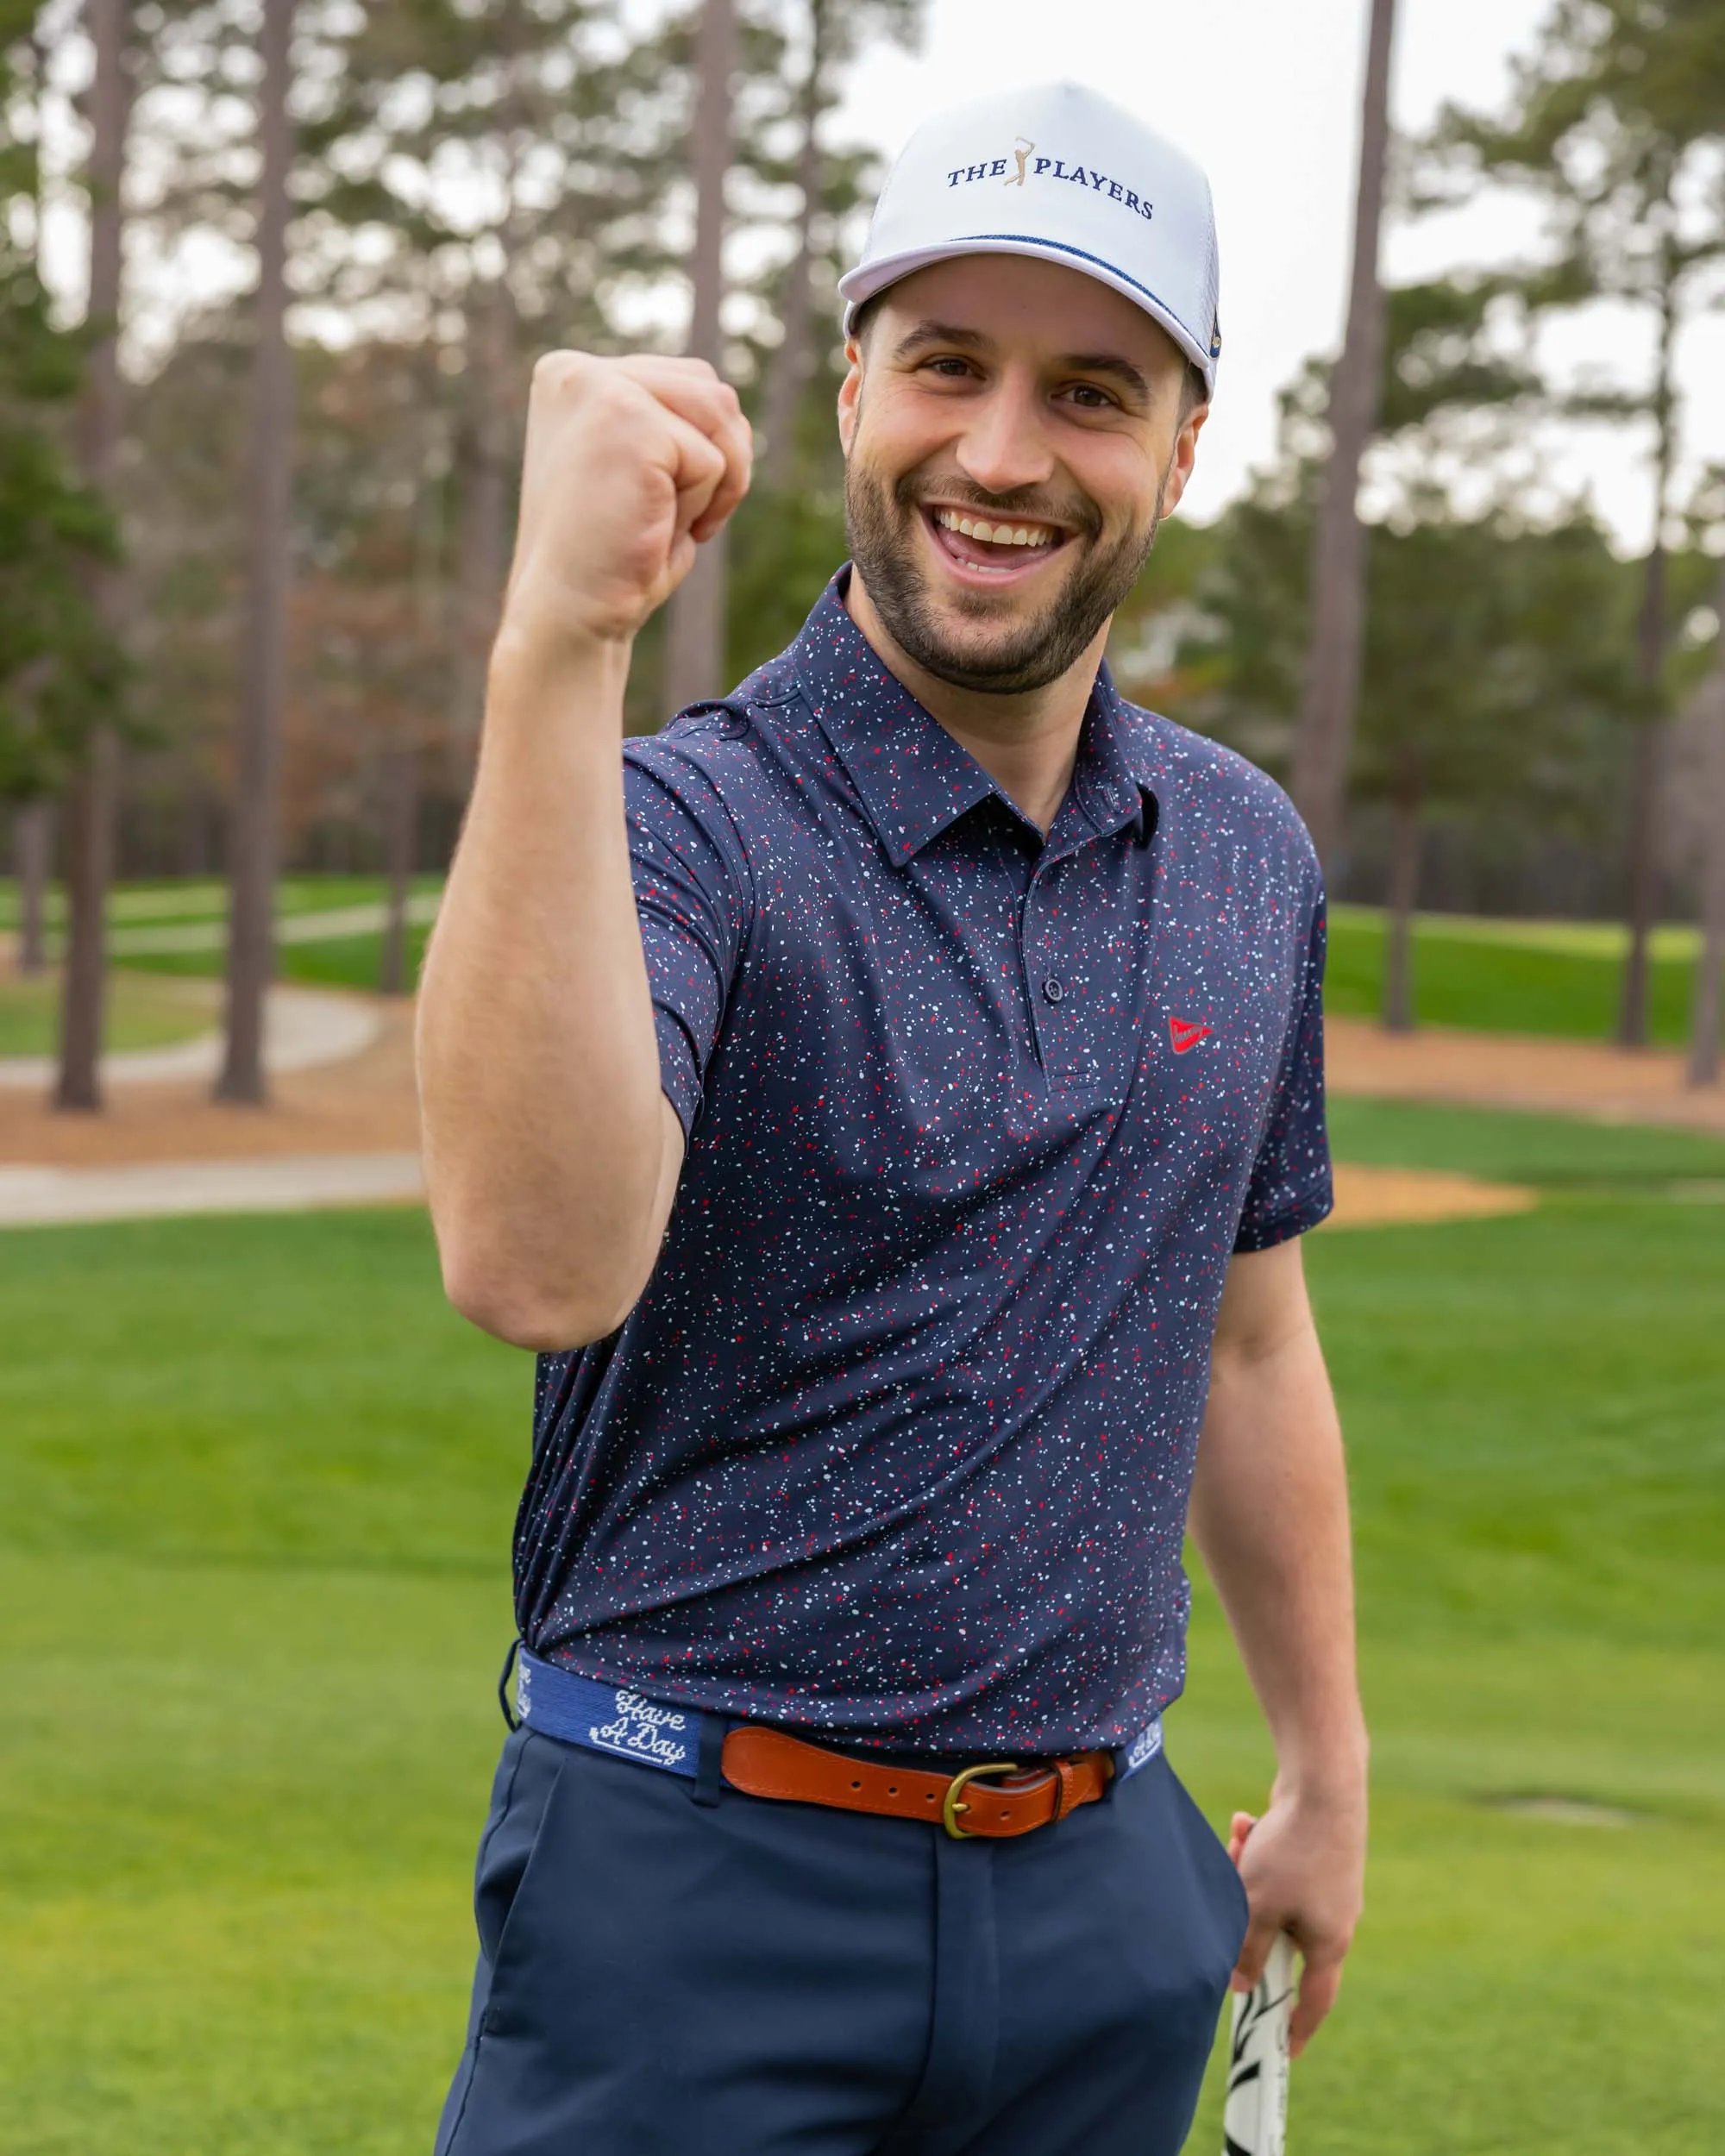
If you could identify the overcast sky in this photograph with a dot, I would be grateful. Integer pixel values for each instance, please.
(1265, 93)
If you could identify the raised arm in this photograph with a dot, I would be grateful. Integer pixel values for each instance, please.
(551, 1154)
(1269, 1515)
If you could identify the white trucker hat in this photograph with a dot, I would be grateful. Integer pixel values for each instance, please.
(1057, 173)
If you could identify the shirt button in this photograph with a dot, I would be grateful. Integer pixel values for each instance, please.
(1053, 991)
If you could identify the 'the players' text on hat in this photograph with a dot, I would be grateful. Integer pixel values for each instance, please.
(1059, 174)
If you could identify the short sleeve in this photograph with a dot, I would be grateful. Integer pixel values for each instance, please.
(692, 898)
(1291, 1189)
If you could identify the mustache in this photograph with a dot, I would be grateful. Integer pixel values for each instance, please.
(1018, 504)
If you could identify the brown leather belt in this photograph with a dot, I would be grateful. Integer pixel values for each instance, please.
(992, 1802)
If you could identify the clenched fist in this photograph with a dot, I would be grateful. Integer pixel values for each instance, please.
(629, 464)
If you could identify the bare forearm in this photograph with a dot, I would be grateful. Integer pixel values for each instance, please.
(545, 1128)
(1269, 1515)
(551, 1154)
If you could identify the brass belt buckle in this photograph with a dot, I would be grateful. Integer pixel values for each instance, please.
(951, 1807)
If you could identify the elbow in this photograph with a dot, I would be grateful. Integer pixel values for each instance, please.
(527, 1311)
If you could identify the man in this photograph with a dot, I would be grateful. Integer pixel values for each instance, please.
(890, 1101)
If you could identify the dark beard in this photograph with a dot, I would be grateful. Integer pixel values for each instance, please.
(1029, 655)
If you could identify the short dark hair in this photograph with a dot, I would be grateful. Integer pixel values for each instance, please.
(865, 314)
(1193, 389)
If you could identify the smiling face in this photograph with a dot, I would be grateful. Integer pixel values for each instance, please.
(1013, 431)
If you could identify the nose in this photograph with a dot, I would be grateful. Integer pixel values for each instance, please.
(1004, 443)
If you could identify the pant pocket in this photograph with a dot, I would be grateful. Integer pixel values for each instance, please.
(1223, 1886)
(512, 1838)
(527, 1777)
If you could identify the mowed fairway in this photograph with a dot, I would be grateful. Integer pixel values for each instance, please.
(255, 1489)
(1560, 978)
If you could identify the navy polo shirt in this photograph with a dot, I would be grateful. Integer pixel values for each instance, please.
(898, 1442)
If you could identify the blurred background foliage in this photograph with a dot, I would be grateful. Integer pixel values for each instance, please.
(475, 181)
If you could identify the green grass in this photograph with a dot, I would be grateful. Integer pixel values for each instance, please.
(349, 959)
(255, 1487)
(154, 904)
(256, 1483)
(1551, 1151)
(1541, 977)
(143, 1011)
(1535, 1413)
(342, 962)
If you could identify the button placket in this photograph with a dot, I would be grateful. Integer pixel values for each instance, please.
(1044, 985)
(1059, 975)
(1056, 1005)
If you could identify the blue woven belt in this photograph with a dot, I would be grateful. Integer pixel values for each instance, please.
(579, 1710)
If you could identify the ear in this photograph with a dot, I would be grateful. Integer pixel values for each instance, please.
(849, 395)
(1185, 456)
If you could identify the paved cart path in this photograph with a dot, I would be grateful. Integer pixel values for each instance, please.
(295, 1182)
(302, 1028)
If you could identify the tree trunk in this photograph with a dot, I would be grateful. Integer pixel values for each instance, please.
(1647, 768)
(89, 822)
(694, 643)
(1709, 1015)
(252, 841)
(89, 871)
(486, 445)
(791, 363)
(482, 541)
(33, 858)
(1323, 738)
(33, 825)
(401, 809)
(1646, 782)
(1404, 897)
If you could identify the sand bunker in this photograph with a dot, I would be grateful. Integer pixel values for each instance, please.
(1381, 1197)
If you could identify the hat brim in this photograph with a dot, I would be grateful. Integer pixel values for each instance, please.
(862, 284)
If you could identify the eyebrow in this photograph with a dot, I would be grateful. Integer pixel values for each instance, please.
(1111, 364)
(927, 333)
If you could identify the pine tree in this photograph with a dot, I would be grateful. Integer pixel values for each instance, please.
(695, 627)
(91, 805)
(252, 831)
(1324, 741)
(60, 662)
(1615, 124)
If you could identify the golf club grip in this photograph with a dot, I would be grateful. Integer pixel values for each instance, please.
(1255, 2115)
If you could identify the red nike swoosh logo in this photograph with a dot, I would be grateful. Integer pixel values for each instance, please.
(1187, 1033)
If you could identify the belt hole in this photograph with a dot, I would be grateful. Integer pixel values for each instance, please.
(893, 1789)
(856, 1785)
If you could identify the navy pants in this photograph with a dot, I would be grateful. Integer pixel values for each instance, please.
(661, 1978)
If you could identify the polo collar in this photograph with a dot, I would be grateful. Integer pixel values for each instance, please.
(914, 779)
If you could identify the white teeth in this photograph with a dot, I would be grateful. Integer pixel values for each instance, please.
(995, 535)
